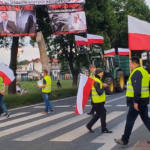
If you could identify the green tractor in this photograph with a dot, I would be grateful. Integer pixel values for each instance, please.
(113, 75)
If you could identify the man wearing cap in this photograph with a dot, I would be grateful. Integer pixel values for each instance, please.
(92, 75)
(98, 98)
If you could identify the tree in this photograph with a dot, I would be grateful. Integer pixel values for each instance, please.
(64, 69)
(101, 20)
(13, 64)
(123, 8)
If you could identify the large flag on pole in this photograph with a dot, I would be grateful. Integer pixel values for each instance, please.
(85, 86)
(139, 34)
(110, 52)
(7, 74)
(123, 51)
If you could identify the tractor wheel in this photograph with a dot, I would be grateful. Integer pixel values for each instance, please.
(110, 85)
(120, 83)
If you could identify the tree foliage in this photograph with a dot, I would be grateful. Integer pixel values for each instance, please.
(64, 69)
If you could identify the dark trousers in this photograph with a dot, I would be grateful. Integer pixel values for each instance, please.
(93, 108)
(100, 114)
(131, 117)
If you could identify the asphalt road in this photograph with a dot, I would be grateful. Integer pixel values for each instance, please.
(28, 129)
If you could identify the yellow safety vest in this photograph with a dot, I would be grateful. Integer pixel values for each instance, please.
(145, 84)
(1, 83)
(95, 97)
(47, 88)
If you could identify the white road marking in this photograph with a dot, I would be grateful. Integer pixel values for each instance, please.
(76, 133)
(117, 133)
(14, 115)
(63, 106)
(20, 120)
(34, 135)
(115, 99)
(32, 124)
(121, 105)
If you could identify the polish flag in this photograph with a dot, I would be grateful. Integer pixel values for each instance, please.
(95, 39)
(110, 52)
(123, 51)
(84, 90)
(7, 74)
(139, 34)
(80, 41)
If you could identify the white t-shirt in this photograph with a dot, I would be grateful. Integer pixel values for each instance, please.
(18, 88)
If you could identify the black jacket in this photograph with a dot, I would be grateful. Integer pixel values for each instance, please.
(97, 87)
(136, 80)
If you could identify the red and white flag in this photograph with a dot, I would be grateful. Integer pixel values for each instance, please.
(110, 52)
(80, 41)
(85, 86)
(95, 39)
(123, 51)
(139, 34)
(7, 74)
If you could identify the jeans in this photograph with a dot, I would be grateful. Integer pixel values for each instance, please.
(100, 114)
(131, 117)
(3, 105)
(48, 105)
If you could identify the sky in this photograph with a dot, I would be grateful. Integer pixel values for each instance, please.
(148, 2)
(29, 52)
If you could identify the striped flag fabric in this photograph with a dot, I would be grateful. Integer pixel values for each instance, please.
(81, 41)
(110, 52)
(7, 74)
(139, 34)
(84, 89)
(95, 39)
(91, 39)
(123, 51)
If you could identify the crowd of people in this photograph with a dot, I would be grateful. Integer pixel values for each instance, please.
(137, 97)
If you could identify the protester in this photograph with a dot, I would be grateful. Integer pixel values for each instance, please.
(92, 74)
(137, 96)
(2, 93)
(98, 98)
(46, 89)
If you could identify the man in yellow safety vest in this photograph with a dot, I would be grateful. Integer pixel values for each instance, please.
(98, 98)
(92, 75)
(137, 96)
(2, 104)
(46, 90)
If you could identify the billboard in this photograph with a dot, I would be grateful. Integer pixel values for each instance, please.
(17, 20)
(67, 23)
(38, 2)
(53, 8)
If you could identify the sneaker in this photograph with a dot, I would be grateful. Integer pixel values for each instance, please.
(7, 115)
(106, 131)
(119, 141)
(89, 128)
(3, 114)
(52, 110)
(148, 141)
(44, 112)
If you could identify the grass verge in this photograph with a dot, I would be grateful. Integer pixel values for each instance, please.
(35, 97)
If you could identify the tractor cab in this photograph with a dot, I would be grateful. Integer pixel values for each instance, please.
(113, 76)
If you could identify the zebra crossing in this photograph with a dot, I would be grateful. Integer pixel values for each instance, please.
(76, 124)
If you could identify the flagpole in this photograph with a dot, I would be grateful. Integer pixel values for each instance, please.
(130, 58)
